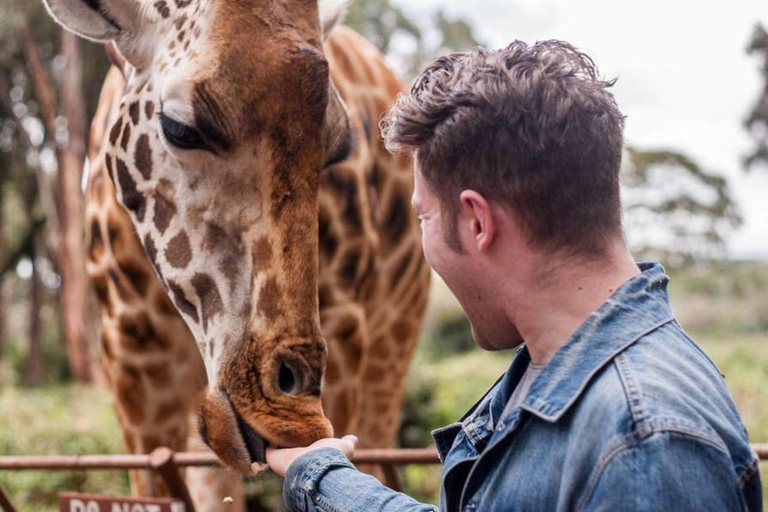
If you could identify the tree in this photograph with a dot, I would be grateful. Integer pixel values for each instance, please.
(757, 121)
(45, 110)
(675, 211)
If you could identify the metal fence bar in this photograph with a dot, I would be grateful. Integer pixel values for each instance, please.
(5, 502)
(73, 462)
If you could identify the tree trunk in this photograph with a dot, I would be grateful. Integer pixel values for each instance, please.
(70, 252)
(33, 372)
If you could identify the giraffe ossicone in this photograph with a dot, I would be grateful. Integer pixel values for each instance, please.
(272, 215)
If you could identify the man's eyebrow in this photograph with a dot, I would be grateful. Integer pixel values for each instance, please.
(209, 118)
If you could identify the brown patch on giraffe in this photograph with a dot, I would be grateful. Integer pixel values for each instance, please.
(132, 199)
(380, 351)
(149, 109)
(268, 299)
(158, 374)
(122, 291)
(163, 304)
(142, 157)
(179, 252)
(106, 349)
(131, 393)
(374, 373)
(165, 210)
(261, 254)
(397, 219)
(182, 3)
(181, 301)
(114, 133)
(401, 268)
(135, 274)
(324, 296)
(126, 137)
(229, 245)
(180, 36)
(348, 269)
(114, 232)
(102, 292)
(134, 111)
(163, 9)
(210, 299)
(168, 410)
(96, 242)
(140, 334)
(180, 21)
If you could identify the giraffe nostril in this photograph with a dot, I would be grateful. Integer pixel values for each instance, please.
(286, 380)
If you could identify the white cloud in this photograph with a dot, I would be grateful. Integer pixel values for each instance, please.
(685, 81)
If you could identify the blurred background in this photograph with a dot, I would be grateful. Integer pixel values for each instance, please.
(692, 80)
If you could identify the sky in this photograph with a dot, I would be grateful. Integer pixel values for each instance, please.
(685, 81)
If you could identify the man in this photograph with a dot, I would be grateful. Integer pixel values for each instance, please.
(609, 406)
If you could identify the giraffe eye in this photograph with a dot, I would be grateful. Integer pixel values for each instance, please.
(180, 135)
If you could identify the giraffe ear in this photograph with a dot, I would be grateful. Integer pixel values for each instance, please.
(87, 18)
(338, 135)
(331, 13)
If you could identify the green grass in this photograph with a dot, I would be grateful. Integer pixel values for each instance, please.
(62, 420)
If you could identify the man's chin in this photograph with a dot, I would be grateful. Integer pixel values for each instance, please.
(496, 343)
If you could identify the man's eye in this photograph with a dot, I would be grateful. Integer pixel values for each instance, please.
(180, 135)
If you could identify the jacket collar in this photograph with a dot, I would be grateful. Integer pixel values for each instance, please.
(638, 307)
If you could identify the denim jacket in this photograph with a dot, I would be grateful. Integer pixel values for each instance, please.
(629, 415)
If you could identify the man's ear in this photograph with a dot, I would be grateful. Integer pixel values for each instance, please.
(87, 18)
(478, 212)
(338, 136)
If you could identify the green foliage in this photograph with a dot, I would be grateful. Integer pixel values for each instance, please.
(49, 421)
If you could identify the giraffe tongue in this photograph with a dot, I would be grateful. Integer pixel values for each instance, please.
(254, 443)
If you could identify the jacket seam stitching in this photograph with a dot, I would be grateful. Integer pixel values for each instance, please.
(632, 387)
(634, 439)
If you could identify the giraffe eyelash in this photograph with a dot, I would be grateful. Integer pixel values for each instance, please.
(180, 135)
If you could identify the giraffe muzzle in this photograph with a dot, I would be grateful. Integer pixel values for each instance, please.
(254, 443)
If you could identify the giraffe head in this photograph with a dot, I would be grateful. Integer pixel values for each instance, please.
(227, 120)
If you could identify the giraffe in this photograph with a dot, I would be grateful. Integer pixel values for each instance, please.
(237, 143)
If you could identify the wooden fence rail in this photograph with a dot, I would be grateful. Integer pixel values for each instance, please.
(167, 464)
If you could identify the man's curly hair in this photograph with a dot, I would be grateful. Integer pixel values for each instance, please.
(530, 127)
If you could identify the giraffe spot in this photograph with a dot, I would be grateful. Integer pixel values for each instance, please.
(116, 280)
(180, 21)
(179, 252)
(149, 109)
(346, 187)
(210, 299)
(96, 246)
(262, 254)
(135, 112)
(186, 45)
(131, 393)
(132, 199)
(397, 219)
(169, 410)
(139, 334)
(182, 3)
(181, 301)
(114, 133)
(181, 35)
(229, 247)
(159, 376)
(163, 8)
(402, 330)
(165, 210)
(143, 156)
(349, 266)
(150, 442)
(102, 292)
(150, 248)
(374, 373)
(163, 304)
(136, 275)
(380, 350)
(126, 137)
(268, 299)
(402, 268)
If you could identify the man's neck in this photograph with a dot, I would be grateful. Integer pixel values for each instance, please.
(546, 316)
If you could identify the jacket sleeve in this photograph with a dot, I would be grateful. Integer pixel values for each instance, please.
(326, 481)
(667, 471)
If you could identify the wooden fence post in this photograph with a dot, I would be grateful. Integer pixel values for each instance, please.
(162, 461)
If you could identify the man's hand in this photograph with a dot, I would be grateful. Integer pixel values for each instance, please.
(280, 460)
